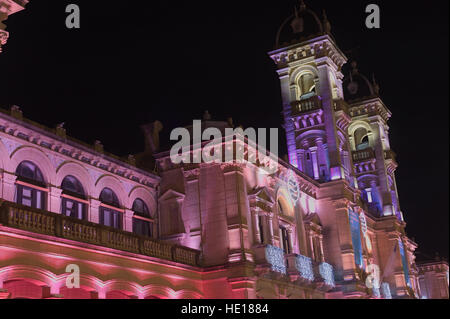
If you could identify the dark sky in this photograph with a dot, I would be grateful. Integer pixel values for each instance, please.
(133, 62)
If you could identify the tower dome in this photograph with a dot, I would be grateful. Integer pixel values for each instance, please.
(301, 25)
(357, 86)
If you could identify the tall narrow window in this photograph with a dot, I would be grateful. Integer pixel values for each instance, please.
(369, 195)
(110, 213)
(285, 242)
(30, 186)
(73, 203)
(142, 221)
(261, 228)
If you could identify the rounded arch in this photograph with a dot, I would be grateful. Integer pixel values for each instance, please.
(33, 274)
(4, 157)
(26, 289)
(285, 206)
(119, 289)
(113, 183)
(145, 195)
(358, 125)
(79, 172)
(305, 69)
(78, 293)
(37, 157)
(310, 135)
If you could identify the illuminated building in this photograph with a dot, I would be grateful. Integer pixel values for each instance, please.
(312, 228)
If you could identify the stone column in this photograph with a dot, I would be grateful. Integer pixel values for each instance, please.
(311, 243)
(128, 220)
(291, 239)
(325, 92)
(9, 186)
(271, 235)
(301, 156)
(322, 257)
(314, 161)
(256, 226)
(94, 211)
(54, 199)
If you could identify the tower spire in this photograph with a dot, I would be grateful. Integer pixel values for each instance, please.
(326, 23)
(302, 5)
(376, 87)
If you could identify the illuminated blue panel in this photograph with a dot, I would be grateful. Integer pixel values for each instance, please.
(404, 262)
(356, 238)
(386, 290)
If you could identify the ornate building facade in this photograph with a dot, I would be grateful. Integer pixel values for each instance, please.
(321, 226)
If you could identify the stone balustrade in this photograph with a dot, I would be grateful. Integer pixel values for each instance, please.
(47, 223)
(363, 155)
(311, 104)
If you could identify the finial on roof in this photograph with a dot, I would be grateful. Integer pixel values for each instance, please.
(354, 65)
(206, 116)
(302, 5)
(326, 23)
(437, 257)
(376, 87)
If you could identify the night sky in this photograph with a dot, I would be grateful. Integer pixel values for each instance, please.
(133, 62)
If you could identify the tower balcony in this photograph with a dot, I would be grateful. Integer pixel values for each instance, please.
(307, 105)
(59, 226)
(363, 155)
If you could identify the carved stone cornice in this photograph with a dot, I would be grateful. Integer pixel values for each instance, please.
(191, 174)
(231, 167)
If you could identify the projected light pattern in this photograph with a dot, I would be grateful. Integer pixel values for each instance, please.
(275, 256)
(356, 238)
(327, 273)
(304, 266)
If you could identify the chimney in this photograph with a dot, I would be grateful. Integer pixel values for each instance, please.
(151, 132)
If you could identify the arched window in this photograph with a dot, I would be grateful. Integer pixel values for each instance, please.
(307, 86)
(73, 201)
(110, 213)
(30, 185)
(142, 220)
(284, 210)
(361, 139)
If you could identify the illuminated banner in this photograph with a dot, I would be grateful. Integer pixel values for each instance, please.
(404, 262)
(356, 238)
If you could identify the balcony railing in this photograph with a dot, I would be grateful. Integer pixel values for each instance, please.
(307, 105)
(363, 155)
(326, 273)
(52, 224)
(271, 257)
(301, 266)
